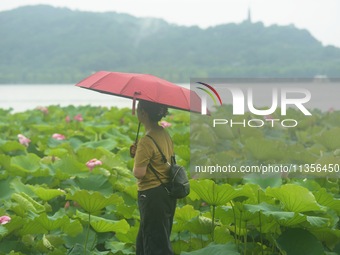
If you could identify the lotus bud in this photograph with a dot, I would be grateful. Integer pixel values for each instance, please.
(92, 163)
(23, 140)
(58, 136)
(4, 219)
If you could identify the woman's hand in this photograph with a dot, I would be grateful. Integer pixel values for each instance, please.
(133, 149)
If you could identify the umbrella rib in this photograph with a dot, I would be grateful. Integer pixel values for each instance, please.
(188, 102)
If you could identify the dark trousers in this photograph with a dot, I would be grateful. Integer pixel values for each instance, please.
(157, 211)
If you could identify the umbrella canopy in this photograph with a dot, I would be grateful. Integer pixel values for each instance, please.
(143, 86)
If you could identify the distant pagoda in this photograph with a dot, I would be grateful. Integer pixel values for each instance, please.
(249, 15)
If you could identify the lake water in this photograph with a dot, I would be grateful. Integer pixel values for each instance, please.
(24, 97)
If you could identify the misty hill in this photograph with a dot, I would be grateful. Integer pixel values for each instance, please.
(42, 44)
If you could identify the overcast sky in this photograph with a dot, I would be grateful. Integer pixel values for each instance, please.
(320, 17)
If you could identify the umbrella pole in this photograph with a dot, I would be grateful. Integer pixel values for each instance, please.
(134, 146)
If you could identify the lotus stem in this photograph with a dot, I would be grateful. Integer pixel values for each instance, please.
(245, 239)
(87, 234)
(240, 226)
(213, 223)
(260, 221)
(237, 242)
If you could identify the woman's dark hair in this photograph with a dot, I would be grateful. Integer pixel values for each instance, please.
(155, 111)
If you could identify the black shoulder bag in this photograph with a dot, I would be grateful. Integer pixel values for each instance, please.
(179, 186)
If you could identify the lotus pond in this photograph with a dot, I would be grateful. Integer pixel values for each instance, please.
(66, 187)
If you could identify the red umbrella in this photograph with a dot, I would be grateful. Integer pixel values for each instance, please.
(143, 86)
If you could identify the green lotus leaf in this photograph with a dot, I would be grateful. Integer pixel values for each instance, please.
(266, 149)
(68, 166)
(18, 186)
(86, 153)
(32, 227)
(224, 132)
(222, 235)
(327, 163)
(101, 225)
(215, 194)
(94, 182)
(237, 215)
(93, 201)
(183, 152)
(46, 242)
(25, 163)
(183, 216)
(104, 225)
(327, 235)
(120, 248)
(126, 211)
(13, 147)
(51, 222)
(3, 231)
(121, 178)
(114, 160)
(76, 142)
(299, 154)
(131, 191)
(5, 161)
(107, 144)
(57, 152)
(79, 249)
(28, 203)
(44, 128)
(271, 180)
(294, 198)
(262, 207)
(97, 128)
(46, 194)
(5, 189)
(288, 219)
(130, 236)
(318, 222)
(202, 135)
(326, 199)
(72, 227)
(299, 241)
(200, 225)
(15, 223)
(330, 138)
(216, 249)
(180, 245)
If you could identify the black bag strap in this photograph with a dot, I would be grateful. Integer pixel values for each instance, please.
(164, 160)
(156, 173)
(159, 149)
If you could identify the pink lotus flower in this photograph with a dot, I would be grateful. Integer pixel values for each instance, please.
(68, 119)
(165, 124)
(78, 117)
(92, 163)
(4, 219)
(58, 136)
(23, 140)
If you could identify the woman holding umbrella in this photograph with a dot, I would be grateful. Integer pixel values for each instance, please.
(156, 207)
